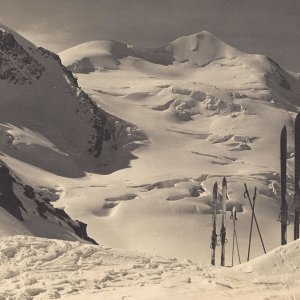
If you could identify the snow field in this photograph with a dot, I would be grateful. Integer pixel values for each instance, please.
(36, 268)
(196, 110)
(186, 151)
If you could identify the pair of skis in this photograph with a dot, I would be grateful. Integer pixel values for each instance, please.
(284, 207)
(214, 236)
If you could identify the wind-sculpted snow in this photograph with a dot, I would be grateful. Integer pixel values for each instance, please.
(190, 119)
(35, 268)
(222, 118)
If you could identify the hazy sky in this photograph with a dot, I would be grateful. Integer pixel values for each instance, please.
(269, 27)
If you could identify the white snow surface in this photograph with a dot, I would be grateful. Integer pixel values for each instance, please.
(47, 121)
(208, 111)
(212, 111)
(36, 268)
(198, 49)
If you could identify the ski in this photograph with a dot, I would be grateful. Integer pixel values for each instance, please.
(297, 177)
(223, 226)
(214, 230)
(284, 207)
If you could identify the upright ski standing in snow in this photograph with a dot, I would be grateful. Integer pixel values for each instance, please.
(223, 226)
(214, 230)
(284, 208)
(297, 177)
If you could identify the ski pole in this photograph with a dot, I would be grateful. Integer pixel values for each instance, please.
(232, 256)
(251, 226)
(246, 195)
(234, 238)
(237, 245)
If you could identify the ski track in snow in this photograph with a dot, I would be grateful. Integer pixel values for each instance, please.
(36, 268)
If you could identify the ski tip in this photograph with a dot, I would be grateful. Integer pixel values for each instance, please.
(224, 181)
(283, 131)
(297, 118)
(283, 139)
(215, 186)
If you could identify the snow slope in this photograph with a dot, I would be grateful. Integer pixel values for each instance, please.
(199, 49)
(48, 121)
(28, 211)
(35, 268)
(198, 110)
(208, 110)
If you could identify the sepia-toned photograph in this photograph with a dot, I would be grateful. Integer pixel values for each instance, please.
(149, 149)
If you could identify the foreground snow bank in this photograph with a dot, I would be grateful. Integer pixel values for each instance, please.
(36, 268)
(282, 260)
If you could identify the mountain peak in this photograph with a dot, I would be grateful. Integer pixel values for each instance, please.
(198, 49)
(94, 54)
(201, 48)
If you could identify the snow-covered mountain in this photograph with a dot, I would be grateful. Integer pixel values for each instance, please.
(199, 109)
(49, 124)
(208, 110)
(47, 120)
(199, 49)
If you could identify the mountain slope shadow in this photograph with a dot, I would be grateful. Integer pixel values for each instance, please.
(49, 122)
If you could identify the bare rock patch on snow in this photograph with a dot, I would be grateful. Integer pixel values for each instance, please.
(235, 142)
(239, 147)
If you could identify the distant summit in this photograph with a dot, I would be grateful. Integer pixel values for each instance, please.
(192, 53)
(198, 49)
(88, 57)
(201, 48)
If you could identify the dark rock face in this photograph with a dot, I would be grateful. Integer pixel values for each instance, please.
(8, 199)
(83, 66)
(278, 75)
(103, 129)
(16, 65)
(23, 64)
(78, 227)
(13, 204)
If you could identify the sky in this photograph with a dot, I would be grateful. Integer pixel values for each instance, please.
(270, 27)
